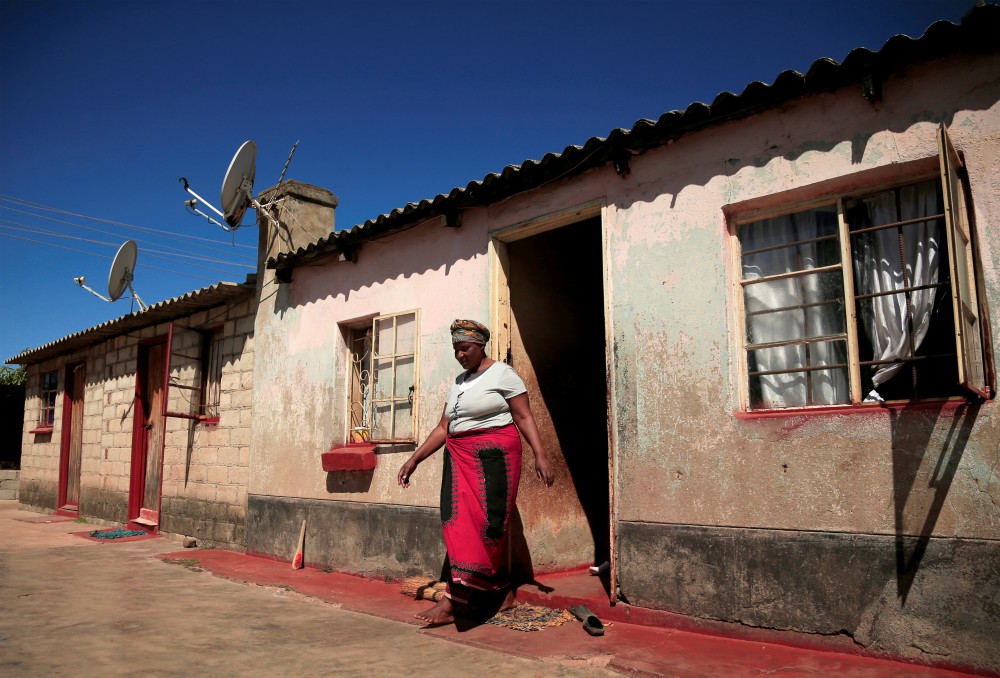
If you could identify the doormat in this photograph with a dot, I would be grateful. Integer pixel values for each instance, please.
(116, 535)
(525, 617)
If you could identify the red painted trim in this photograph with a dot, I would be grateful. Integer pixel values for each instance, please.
(47, 428)
(68, 512)
(67, 417)
(209, 421)
(163, 419)
(861, 408)
(350, 457)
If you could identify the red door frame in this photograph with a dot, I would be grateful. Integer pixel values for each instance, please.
(69, 382)
(137, 476)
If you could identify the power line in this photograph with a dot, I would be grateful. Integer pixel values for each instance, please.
(156, 254)
(98, 230)
(179, 237)
(62, 247)
(102, 256)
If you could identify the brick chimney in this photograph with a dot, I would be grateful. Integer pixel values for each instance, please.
(305, 213)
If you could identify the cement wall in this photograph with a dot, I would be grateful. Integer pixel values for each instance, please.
(300, 396)
(940, 607)
(373, 540)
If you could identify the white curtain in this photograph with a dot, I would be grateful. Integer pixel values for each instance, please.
(794, 389)
(878, 267)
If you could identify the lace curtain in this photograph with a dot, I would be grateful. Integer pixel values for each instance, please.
(795, 308)
(882, 264)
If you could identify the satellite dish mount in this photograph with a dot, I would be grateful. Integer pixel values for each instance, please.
(237, 191)
(120, 276)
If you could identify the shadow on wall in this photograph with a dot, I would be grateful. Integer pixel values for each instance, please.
(744, 150)
(919, 488)
(349, 482)
(410, 252)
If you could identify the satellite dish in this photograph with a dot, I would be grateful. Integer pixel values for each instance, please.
(120, 276)
(237, 190)
(237, 186)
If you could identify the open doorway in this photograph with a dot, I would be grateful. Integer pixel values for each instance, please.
(71, 449)
(147, 438)
(555, 282)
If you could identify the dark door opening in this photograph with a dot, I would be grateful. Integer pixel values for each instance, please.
(556, 284)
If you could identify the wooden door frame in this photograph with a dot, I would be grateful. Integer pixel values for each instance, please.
(500, 321)
(69, 382)
(137, 475)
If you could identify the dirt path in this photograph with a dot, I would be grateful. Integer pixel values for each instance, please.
(73, 607)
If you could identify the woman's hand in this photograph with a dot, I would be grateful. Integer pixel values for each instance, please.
(406, 471)
(544, 470)
(520, 410)
(434, 441)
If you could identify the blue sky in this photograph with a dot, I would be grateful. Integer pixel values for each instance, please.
(105, 104)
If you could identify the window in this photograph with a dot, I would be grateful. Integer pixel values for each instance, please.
(211, 373)
(868, 298)
(50, 384)
(383, 378)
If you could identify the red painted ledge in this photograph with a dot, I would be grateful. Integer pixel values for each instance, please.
(350, 457)
(942, 404)
(45, 428)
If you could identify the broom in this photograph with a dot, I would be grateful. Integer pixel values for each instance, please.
(297, 561)
(423, 588)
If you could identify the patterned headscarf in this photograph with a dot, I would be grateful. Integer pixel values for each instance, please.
(469, 330)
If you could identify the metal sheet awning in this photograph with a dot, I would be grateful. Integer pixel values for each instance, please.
(164, 311)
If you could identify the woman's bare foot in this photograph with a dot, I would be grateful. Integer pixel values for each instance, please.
(509, 601)
(442, 613)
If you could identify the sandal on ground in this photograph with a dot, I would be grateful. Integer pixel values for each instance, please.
(591, 624)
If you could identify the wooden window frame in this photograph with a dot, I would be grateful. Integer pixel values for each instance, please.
(971, 352)
(48, 398)
(355, 380)
(213, 344)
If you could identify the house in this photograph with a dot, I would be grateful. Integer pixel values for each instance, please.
(757, 336)
(145, 419)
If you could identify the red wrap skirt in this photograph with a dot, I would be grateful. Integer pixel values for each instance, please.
(482, 469)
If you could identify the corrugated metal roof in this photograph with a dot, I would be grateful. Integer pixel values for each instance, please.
(163, 311)
(978, 31)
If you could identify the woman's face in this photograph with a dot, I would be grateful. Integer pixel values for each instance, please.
(469, 354)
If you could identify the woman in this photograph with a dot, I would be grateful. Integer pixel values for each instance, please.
(487, 408)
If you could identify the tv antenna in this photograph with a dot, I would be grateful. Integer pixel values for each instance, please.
(237, 190)
(120, 276)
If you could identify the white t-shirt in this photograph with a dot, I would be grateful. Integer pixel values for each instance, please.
(480, 401)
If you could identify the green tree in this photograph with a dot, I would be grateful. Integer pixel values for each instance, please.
(13, 376)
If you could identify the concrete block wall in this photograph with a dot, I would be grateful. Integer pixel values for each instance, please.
(205, 465)
(39, 481)
(8, 484)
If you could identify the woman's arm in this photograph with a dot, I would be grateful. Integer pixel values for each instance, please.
(520, 410)
(433, 443)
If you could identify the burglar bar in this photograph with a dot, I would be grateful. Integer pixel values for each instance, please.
(897, 224)
(768, 248)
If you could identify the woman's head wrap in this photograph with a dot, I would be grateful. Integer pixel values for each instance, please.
(469, 330)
